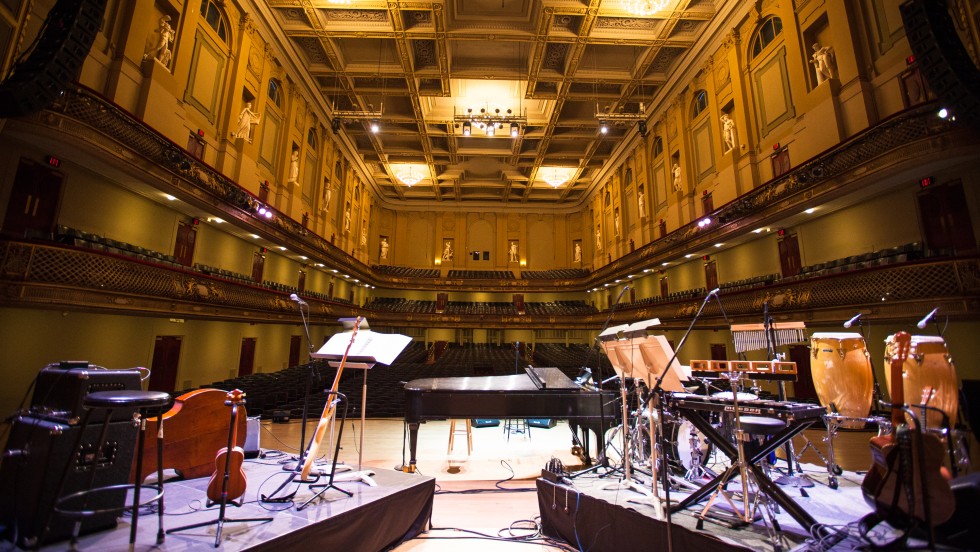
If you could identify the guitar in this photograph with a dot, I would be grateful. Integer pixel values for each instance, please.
(883, 487)
(228, 480)
(329, 410)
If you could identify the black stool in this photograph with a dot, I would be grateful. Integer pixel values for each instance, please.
(755, 429)
(75, 505)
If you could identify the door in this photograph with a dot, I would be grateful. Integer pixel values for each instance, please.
(258, 266)
(301, 284)
(945, 217)
(295, 342)
(803, 386)
(166, 360)
(34, 201)
(789, 255)
(184, 245)
(710, 275)
(719, 351)
(246, 356)
(664, 289)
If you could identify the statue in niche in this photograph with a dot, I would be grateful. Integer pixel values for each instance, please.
(513, 251)
(447, 251)
(728, 131)
(577, 256)
(823, 61)
(347, 218)
(246, 120)
(363, 233)
(294, 167)
(616, 221)
(158, 43)
(641, 202)
(598, 238)
(384, 247)
(327, 195)
(676, 171)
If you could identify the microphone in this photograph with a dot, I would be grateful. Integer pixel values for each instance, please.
(922, 323)
(852, 320)
(714, 292)
(294, 297)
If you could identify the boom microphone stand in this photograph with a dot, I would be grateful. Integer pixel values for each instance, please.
(658, 389)
(603, 460)
(300, 303)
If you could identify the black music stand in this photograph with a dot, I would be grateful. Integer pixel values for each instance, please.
(222, 520)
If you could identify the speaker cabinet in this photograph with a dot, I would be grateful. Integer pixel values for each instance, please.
(941, 57)
(56, 58)
(37, 453)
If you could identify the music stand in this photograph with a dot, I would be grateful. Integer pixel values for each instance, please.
(368, 349)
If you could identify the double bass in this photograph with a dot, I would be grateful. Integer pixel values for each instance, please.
(228, 480)
(907, 482)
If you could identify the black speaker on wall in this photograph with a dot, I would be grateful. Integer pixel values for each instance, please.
(36, 455)
(942, 58)
(55, 58)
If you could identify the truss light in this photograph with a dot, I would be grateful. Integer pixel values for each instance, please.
(490, 121)
(515, 130)
(704, 222)
(467, 128)
(491, 129)
(603, 127)
(375, 127)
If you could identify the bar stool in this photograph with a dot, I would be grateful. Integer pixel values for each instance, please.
(517, 425)
(75, 505)
(469, 436)
(756, 429)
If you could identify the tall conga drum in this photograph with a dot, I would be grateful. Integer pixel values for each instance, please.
(842, 377)
(928, 367)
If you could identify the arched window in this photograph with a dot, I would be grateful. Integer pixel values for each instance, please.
(212, 15)
(768, 31)
(658, 146)
(311, 138)
(275, 92)
(699, 104)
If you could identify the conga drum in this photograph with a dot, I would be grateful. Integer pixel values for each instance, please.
(842, 377)
(928, 367)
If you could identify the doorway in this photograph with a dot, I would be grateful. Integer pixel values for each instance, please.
(166, 361)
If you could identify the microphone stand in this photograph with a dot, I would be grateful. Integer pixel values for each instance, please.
(603, 460)
(661, 398)
(309, 377)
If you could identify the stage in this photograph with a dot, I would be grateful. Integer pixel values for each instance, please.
(375, 518)
(591, 517)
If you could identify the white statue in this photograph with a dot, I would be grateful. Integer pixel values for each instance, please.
(347, 219)
(294, 167)
(823, 62)
(616, 222)
(641, 203)
(158, 44)
(246, 120)
(363, 237)
(513, 251)
(598, 238)
(447, 252)
(676, 170)
(327, 195)
(384, 248)
(728, 131)
(578, 252)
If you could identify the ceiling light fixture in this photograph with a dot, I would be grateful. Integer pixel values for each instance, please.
(490, 121)
(645, 7)
(408, 176)
(556, 176)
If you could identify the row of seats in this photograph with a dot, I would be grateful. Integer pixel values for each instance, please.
(560, 308)
(222, 273)
(88, 240)
(746, 283)
(406, 272)
(400, 305)
(555, 274)
(899, 254)
(482, 274)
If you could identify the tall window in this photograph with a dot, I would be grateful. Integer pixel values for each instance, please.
(212, 16)
(658, 147)
(770, 29)
(700, 103)
(275, 92)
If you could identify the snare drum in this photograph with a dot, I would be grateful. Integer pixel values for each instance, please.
(842, 377)
(928, 366)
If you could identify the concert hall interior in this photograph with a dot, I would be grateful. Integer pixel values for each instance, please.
(782, 197)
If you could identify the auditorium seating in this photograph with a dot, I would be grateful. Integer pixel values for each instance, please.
(555, 274)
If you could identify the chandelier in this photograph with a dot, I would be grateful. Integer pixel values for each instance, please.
(645, 7)
(408, 176)
(556, 176)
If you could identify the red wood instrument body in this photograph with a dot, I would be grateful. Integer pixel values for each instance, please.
(882, 487)
(329, 410)
(195, 427)
(228, 463)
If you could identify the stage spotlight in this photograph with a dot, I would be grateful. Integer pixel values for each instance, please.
(603, 127)
(375, 127)
(467, 128)
(515, 129)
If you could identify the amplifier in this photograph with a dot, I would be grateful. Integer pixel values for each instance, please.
(60, 389)
(36, 455)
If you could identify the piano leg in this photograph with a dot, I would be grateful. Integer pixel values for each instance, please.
(413, 442)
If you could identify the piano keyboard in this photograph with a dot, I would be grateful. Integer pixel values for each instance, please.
(783, 410)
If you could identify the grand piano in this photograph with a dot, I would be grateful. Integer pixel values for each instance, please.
(538, 393)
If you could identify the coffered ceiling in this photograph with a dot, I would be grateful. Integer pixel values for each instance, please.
(419, 69)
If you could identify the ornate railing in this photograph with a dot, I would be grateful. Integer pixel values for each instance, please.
(40, 275)
(896, 140)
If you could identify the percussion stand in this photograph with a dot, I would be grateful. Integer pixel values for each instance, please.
(800, 481)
